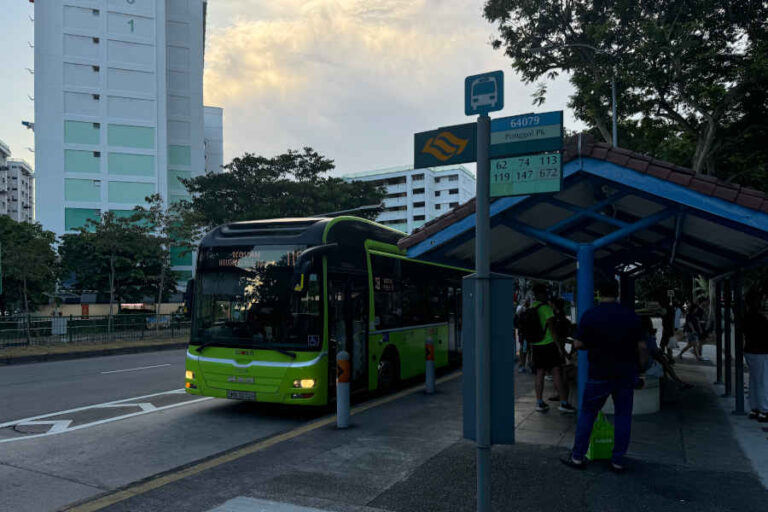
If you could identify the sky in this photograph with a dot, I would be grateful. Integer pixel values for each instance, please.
(353, 79)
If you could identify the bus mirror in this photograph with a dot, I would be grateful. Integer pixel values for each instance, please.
(189, 294)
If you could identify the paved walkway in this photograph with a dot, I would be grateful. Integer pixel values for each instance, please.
(407, 456)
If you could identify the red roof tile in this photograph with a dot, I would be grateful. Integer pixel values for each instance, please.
(702, 186)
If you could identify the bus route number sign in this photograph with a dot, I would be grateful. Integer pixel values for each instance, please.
(529, 174)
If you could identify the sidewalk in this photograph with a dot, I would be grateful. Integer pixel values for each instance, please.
(407, 455)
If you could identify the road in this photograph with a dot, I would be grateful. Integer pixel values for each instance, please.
(70, 430)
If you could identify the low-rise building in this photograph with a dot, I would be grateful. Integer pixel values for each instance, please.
(415, 196)
(17, 187)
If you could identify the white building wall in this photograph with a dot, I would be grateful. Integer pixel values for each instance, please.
(214, 138)
(118, 105)
(21, 191)
(408, 188)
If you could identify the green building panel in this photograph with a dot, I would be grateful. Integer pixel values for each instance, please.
(131, 136)
(183, 276)
(177, 198)
(129, 192)
(174, 185)
(179, 155)
(122, 214)
(82, 161)
(77, 132)
(82, 190)
(181, 257)
(126, 164)
(76, 217)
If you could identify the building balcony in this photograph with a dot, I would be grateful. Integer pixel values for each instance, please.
(395, 201)
(397, 189)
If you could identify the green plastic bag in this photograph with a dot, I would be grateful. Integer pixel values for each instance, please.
(601, 441)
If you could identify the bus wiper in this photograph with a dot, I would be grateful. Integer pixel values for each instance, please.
(290, 354)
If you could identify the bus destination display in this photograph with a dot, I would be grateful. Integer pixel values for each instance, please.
(523, 175)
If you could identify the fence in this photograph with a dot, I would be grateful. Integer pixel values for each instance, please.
(50, 330)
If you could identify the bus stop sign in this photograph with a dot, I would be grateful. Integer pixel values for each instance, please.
(484, 93)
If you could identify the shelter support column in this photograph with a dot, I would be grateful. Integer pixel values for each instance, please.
(627, 287)
(727, 338)
(718, 332)
(738, 316)
(585, 290)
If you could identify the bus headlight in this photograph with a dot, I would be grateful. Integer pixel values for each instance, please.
(304, 383)
(189, 375)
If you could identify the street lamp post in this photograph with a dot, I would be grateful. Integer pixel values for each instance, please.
(614, 133)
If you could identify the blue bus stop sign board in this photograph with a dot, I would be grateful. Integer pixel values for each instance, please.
(445, 146)
(528, 133)
(484, 93)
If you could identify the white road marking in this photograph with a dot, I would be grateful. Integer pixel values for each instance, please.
(136, 369)
(62, 426)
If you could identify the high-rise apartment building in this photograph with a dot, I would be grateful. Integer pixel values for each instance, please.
(213, 137)
(415, 196)
(118, 106)
(17, 187)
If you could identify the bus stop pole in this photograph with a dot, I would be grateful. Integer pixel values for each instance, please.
(738, 315)
(585, 297)
(719, 332)
(727, 338)
(482, 317)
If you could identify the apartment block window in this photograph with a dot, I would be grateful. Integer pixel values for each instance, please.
(437, 206)
(396, 181)
(437, 180)
(453, 178)
(453, 205)
(419, 204)
(395, 196)
(418, 177)
(437, 193)
(418, 191)
(419, 217)
(453, 191)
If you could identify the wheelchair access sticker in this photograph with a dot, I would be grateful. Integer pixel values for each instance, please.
(313, 340)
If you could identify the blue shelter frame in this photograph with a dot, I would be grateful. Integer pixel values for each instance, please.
(619, 213)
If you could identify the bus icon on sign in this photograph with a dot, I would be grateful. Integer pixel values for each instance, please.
(484, 93)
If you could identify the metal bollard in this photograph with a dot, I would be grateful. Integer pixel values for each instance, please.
(430, 374)
(343, 374)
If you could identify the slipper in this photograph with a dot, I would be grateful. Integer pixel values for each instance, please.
(568, 461)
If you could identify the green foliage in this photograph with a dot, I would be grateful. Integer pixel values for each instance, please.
(289, 185)
(690, 74)
(29, 264)
(117, 256)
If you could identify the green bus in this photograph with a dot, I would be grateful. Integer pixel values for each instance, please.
(274, 300)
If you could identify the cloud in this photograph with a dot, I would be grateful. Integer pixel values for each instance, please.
(352, 78)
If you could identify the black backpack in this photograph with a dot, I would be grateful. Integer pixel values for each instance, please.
(530, 326)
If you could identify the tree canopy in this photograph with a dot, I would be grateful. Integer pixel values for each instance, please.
(293, 184)
(28, 262)
(690, 74)
(116, 256)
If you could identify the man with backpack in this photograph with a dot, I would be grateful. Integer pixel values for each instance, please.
(537, 325)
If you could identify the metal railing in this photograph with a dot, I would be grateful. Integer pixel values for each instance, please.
(16, 331)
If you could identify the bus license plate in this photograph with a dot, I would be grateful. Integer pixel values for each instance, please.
(241, 395)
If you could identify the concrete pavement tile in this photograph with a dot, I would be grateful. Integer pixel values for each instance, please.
(22, 490)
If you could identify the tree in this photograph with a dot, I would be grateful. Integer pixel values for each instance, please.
(29, 264)
(170, 233)
(690, 68)
(113, 255)
(288, 185)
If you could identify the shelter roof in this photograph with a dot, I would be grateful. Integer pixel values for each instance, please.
(698, 223)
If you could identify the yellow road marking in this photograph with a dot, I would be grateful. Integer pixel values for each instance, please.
(144, 487)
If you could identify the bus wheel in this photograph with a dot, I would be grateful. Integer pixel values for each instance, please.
(389, 371)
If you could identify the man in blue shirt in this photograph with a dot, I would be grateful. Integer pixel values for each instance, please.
(613, 335)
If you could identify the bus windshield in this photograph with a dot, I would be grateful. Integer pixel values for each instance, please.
(244, 299)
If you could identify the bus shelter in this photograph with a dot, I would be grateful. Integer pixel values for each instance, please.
(619, 213)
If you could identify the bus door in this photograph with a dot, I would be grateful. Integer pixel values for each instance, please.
(347, 321)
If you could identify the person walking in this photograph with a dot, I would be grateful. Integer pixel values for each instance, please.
(545, 352)
(756, 353)
(694, 330)
(524, 360)
(614, 337)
